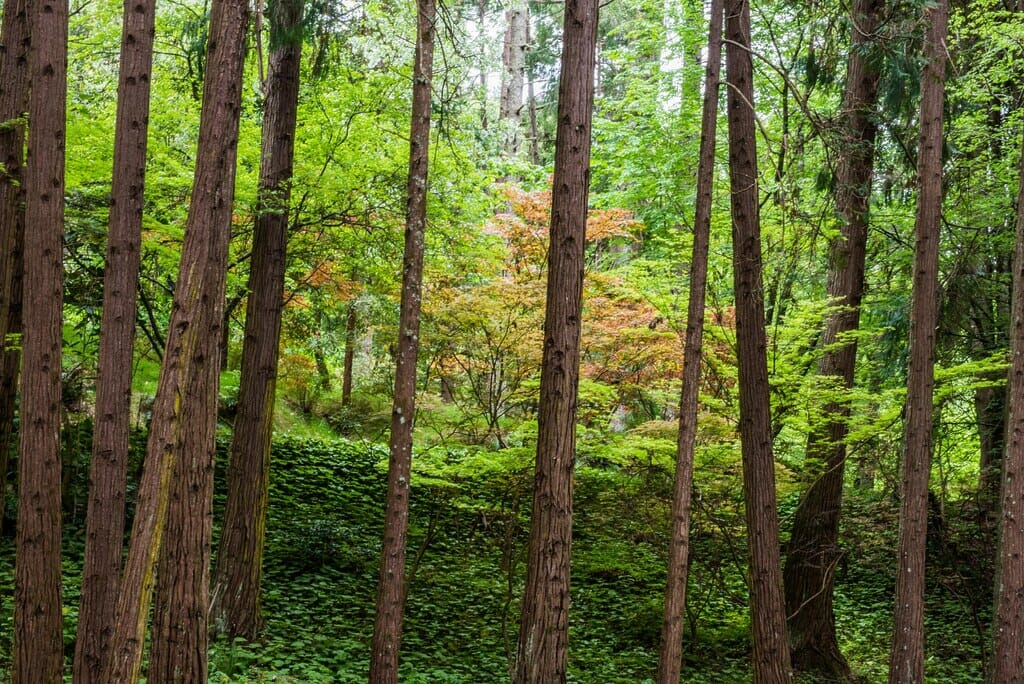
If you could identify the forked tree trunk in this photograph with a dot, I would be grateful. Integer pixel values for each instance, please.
(544, 627)
(767, 607)
(906, 660)
(813, 551)
(670, 657)
(387, 626)
(104, 530)
(38, 637)
(1007, 666)
(14, 48)
(236, 593)
(196, 298)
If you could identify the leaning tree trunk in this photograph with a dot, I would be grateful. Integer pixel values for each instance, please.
(767, 607)
(670, 657)
(38, 637)
(196, 298)
(236, 594)
(1007, 666)
(391, 590)
(813, 551)
(104, 530)
(906, 660)
(544, 627)
(14, 49)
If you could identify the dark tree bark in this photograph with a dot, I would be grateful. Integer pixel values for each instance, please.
(104, 531)
(387, 626)
(813, 551)
(767, 607)
(1007, 666)
(236, 594)
(14, 54)
(199, 295)
(544, 627)
(906, 660)
(351, 321)
(38, 637)
(670, 657)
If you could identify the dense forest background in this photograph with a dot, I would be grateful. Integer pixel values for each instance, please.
(490, 176)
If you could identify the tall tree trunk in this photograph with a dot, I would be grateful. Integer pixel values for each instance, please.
(670, 657)
(236, 594)
(544, 627)
(14, 55)
(767, 606)
(387, 626)
(196, 299)
(38, 637)
(906, 660)
(513, 70)
(351, 321)
(1007, 666)
(104, 531)
(531, 104)
(813, 551)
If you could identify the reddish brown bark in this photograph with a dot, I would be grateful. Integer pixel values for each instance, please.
(104, 531)
(387, 626)
(906, 660)
(38, 638)
(544, 626)
(196, 298)
(236, 595)
(14, 48)
(670, 657)
(813, 551)
(1007, 666)
(767, 608)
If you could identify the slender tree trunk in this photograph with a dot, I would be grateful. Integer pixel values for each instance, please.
(387, 626)
(236, 595)
(196, 299)
(513, 63)
(351, 321)
(544, 627)
(906, 660)
(531, 103)
(767, 606)
(670, 658)
(813, 551)
(14, 49)
(104, 532)
(1007, 666)
(990, 410)
(38, 637)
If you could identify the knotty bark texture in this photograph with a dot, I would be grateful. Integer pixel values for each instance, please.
(198, 296)
(771, 662)
(513, 62)
(671, 654)
(544, 627)
(236, 594)
(906, 659)
(391, 590)
(14, 54)
(104, 529)
(813, 552)
(1007, 666)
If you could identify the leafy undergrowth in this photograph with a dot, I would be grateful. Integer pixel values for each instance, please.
(468, 532)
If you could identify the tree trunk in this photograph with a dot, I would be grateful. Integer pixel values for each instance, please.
(767, 608)
(387, 626)
(1007, 666)
(813, 551)
(236, 594)
(351, 322)
(196, 299)
(906, 660)
(670, 657)
(513, 63)
(544, 626)
(38, 637)
(531, 103)
(14, 49)
(104, 532)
